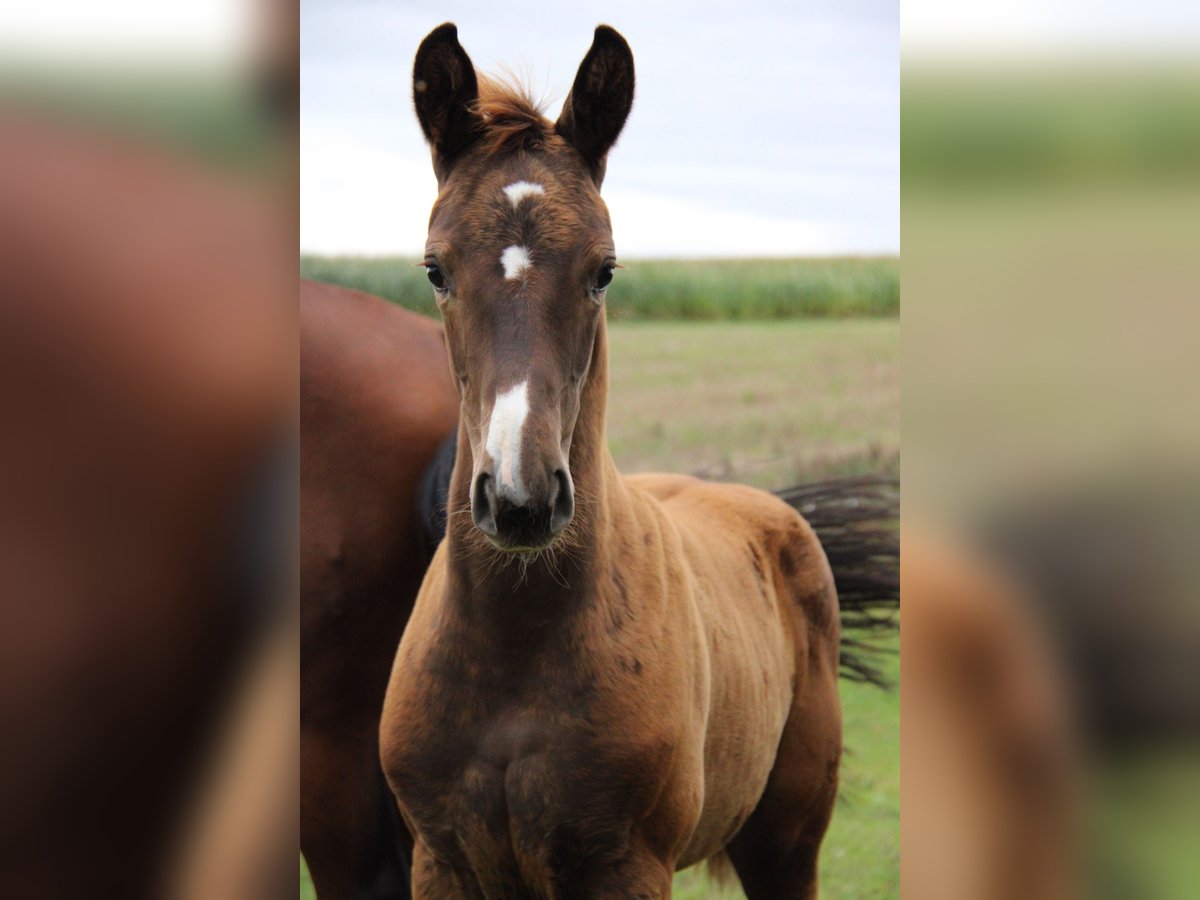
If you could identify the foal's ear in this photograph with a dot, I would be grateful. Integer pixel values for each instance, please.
(595, 110)
(444, 89)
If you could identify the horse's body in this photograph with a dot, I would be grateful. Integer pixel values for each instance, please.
(376, 400)
(589, 694)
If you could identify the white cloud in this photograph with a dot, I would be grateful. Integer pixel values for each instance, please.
(357, 198)
(128, 31)
(649, 225)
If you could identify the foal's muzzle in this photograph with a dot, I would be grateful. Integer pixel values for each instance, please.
(523, 522)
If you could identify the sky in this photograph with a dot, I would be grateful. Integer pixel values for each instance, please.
(973, 31)
(758, 128)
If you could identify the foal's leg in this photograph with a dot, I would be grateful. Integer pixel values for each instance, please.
(432, 880)
(638, 877)
(775, 852)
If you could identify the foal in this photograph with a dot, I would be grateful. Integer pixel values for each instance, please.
(604, 679)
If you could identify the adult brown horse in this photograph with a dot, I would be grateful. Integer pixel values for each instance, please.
(376, 399)
(604, 679)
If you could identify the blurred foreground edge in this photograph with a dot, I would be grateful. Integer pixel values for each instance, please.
(147, 521)
(989, 758)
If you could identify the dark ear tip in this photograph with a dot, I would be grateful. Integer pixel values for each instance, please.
(436, 44)
(444, 34)
(606, 34)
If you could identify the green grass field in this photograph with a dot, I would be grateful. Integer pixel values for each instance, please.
(764, 403)
(774, 403)
(673, 290)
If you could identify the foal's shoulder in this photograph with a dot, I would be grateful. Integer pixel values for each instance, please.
(747, 514)
(661, 486)
(761, 517)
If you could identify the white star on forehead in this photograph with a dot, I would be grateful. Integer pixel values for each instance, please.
(515, 261)
(519, 190)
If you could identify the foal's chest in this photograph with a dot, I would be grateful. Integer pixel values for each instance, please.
(521, 795)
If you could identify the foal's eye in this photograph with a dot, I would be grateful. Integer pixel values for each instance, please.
(604, 277)
(436, 278)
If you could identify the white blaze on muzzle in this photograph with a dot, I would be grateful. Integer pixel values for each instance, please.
(504, 438)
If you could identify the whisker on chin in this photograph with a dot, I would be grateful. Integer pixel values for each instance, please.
(555, 559)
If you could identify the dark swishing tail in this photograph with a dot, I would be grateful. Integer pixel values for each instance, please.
(858, 523)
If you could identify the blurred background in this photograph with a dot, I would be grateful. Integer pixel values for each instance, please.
(148, 370)
(754, 194)
(1051, 173)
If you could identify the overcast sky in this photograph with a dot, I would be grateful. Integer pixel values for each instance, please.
(758, 128)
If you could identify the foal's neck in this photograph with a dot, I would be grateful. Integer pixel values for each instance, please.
(553, 585)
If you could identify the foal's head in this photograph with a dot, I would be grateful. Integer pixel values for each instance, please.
(519, 253)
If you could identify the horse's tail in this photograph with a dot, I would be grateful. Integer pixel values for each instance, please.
(858, 523)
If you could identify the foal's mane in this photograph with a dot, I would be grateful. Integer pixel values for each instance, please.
(512, 117)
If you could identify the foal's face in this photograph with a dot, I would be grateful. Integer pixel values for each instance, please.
(519, 254)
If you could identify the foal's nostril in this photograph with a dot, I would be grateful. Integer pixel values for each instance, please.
(522, 522)
(562, 502)
(483, 504)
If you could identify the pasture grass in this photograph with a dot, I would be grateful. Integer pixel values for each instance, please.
(773, 404)
(708, 289)
(764, 403)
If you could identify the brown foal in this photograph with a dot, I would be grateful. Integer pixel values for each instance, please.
(604, 679)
